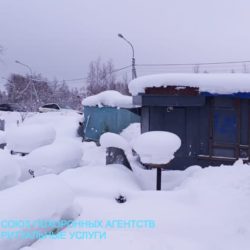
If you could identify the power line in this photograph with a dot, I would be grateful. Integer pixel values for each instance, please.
(191, 64)
(85, 78)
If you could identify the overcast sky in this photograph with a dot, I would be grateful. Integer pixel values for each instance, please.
(58, 38)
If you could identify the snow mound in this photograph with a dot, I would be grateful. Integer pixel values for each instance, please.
(10, 118)
(213, 83)
(109, 98)
(116, 141)
(208, 209)
(108, 181)
(9, 170)
(131, 132)
(156, 147)
(43, 199)
(26, 138)
(65, 123)
(2, 137)
(93, 155)
(54, 158)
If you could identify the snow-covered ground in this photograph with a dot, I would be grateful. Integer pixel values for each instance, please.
(198, 209)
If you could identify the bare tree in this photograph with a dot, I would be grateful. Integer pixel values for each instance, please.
(19, 91)
(102, 77)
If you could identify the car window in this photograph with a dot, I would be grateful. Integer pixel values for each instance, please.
(51, 106)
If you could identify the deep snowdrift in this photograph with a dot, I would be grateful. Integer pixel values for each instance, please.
(26, 138)
(9, 170)
(53, 158)
(103, 181)
(208, 209)
(46, 198)
(198, 209)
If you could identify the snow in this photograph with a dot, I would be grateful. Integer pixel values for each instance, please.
(64, 122)
(9, 170)
(109, 98)
(2, 137)
(116, 141)
(100, 181)
(25, 138)
(212, 83)
(208, 209)
(10, 118)
(156, 147)
(93, 155)
(53, 158)
(131, 132)
(46, 198)
(197, 208)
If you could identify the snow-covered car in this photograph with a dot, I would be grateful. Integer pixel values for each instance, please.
(51, 107)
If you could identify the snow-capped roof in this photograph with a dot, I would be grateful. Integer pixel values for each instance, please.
(213, 83)
(109, 98)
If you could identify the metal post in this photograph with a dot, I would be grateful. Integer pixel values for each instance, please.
(30, 80)
(2, 125)
(158, 179)
(134, 75)
(133, 69)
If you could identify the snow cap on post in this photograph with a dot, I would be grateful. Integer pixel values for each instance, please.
(156, 147)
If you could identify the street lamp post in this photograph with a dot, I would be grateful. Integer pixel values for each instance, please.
(30, 80)
(133, 55)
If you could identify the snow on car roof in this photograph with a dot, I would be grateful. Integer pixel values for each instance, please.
(109, 98)
(226, 83)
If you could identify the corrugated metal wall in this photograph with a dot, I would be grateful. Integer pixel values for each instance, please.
(98, 120)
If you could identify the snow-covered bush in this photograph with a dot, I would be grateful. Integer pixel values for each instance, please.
(156, 147)
(53, 158)
(43, 199)
(113, 140)
(26, 138)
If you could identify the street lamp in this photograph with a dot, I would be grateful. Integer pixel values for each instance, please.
(25, 65)
(30, 80)
(133, 55)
